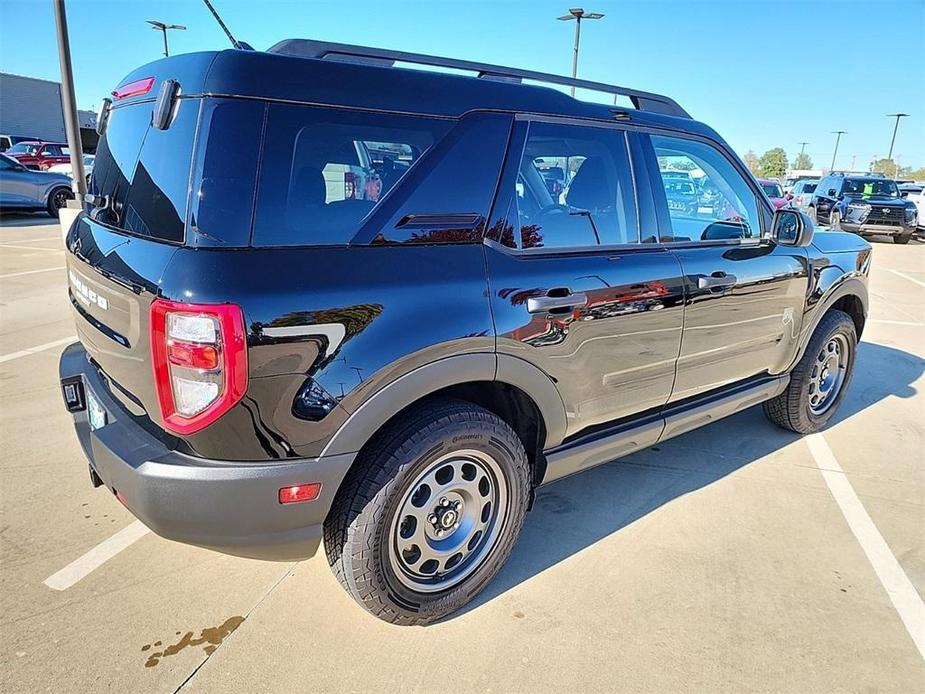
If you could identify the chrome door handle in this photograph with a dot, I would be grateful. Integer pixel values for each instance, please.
(717, 280)
(542, 304)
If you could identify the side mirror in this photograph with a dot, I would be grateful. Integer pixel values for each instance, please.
(788, 196)
(792, 228)
(832, 193)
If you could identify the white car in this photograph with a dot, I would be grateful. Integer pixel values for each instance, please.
(918, 198)
(66, 168)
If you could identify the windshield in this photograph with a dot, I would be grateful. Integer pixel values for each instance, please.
(23, 148)
(868, 187)
(772, 190)
(680, 186)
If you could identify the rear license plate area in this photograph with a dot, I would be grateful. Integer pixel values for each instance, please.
(96, 413)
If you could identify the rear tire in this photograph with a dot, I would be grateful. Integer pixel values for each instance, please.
(902, 239)
(57, 199)
(820, 379)
(429, 512)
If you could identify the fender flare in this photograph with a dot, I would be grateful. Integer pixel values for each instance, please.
(451, 371)
(846, 285)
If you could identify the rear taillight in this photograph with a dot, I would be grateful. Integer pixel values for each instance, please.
(200, 362)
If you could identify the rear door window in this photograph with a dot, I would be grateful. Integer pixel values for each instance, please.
(323, 170)
(145, 172)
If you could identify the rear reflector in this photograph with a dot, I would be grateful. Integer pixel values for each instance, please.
(136, 88)
(299, 492)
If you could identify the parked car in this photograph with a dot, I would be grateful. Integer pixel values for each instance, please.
(7, 141)
(67, 171)
(864, 205)
(35, 154)
(802, 193)
(261, 368)
(25, 190)
(774, 192)
(681, 194)
(917, 198)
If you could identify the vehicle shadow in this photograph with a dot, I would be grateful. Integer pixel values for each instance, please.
(25, 219)
(575, 513)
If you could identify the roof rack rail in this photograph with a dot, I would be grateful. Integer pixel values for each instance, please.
(308, 48)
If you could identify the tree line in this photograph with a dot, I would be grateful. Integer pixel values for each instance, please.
(774, 164)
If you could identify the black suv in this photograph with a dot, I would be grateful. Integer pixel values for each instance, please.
(320, 297)
(869, 204)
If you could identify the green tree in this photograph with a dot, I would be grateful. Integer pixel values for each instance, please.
(773, 163)
(916, 174)
(751, 161)
(888, 167)
(802, 161)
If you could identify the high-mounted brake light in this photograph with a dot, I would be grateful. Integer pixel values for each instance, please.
(199, 352)
(136, 88)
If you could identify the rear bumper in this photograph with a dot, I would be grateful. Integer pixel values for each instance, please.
(231, 507)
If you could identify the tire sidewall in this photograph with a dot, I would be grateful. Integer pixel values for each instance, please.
(840, 326)
(508, 453)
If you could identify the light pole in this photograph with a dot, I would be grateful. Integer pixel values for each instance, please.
(164, 28)
(838, 134)
(578, 14)
(889, 156)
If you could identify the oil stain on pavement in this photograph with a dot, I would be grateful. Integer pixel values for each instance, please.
(212, 636)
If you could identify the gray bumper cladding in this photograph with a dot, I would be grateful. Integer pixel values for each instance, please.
(231, 507)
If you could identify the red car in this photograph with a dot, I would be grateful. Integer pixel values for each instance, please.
(35, 154)
(773, 190)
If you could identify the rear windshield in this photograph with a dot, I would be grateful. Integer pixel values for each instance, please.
(324, 170)
(144, 172)
(809, 187)
(772, 190)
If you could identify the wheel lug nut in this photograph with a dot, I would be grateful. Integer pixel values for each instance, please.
(439, 533)
(432, 518)
(458, 505)
(455, 525)
(444, 501)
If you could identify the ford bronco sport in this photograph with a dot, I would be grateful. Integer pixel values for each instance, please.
(272, 355)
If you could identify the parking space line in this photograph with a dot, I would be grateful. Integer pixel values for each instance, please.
(38, 348)
(31, 272)
(899, 588)
(906, 277)
(894, 322)
(31, 248)
(96, 557)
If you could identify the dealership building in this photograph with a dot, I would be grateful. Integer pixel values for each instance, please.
(31, 108)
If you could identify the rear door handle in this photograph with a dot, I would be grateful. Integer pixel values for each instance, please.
(717, 280)
(542, 304)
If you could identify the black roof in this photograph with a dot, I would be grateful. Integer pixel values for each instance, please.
(277, 75)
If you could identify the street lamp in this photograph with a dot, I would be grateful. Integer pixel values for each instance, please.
(838, 134)
(578, 14)
(164, 28)
(889, 157)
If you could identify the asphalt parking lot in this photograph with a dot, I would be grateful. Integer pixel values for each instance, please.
(735, 558)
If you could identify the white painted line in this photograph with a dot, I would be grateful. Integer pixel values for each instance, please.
(894, 322)
(31, 272)
(30, 239)
(902, 593)
(96, 557)
(906, 277)
(38, 348)
(31, 248)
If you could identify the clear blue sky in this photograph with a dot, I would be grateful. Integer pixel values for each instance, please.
(763, 74)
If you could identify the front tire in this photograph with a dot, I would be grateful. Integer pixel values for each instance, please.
(902, 239)
(429, 512)
(820, 379)
(834, 221)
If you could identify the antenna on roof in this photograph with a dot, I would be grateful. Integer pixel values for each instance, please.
(234, 41)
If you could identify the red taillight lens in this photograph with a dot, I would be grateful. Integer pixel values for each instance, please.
(136, 88)
(299, 492)
(199, 352)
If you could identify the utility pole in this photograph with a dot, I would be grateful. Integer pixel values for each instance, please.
(69, 104)
(802, 148)
(889, 156)
(164, 28)
(838, 134)
(578, 14)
